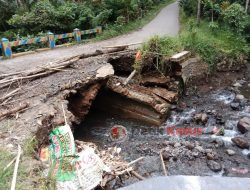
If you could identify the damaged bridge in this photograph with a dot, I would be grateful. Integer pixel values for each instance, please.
(33, 99)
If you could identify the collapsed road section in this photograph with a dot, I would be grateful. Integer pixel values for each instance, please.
(33, 99)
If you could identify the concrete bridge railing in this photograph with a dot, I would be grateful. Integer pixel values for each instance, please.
(50, 39)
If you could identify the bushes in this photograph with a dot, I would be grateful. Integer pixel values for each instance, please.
(43, 15)
(63, 16)
(224, 38)
(211, 43)
(235, 17)
(189, 6)
(162, 45)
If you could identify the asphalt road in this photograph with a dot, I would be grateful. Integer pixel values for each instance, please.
(165, 23)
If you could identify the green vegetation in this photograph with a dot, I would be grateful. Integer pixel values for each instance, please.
(35, 18)
(23, 18)
(222, 33)
(223, 38)
(29, 174)
(116, 29)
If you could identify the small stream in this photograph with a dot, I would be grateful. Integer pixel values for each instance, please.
(97, 126)
(147, 140)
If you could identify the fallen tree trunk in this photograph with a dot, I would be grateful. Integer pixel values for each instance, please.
(18, 108)
(170, 96)
(139, 94)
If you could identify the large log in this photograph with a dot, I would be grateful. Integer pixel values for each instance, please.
(139, 94)
(155, 80)
(82, 101)
(170, 96)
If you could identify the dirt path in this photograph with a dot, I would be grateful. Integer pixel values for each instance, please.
(165, 23)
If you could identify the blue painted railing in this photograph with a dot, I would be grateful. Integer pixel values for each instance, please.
(6, 45)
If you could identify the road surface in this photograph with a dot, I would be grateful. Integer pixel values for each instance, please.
(165, 23)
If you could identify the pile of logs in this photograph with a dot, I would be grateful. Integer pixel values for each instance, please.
(147, 96)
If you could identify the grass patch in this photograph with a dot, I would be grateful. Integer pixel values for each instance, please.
(211, 42)
(29, 174)
(116, 30)
(5, 176)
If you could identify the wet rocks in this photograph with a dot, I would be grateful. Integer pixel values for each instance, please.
(244, 125)
(241, 142)
(189, 146)
(211, 155)
(220, 120)
(149, 165)
(177, 145)
(237, 84)
(166, 155)
(239, 97)
(235, 106)
(200, 149)
(209, 130)
(230, 152)
(214, 166)
(201, 117)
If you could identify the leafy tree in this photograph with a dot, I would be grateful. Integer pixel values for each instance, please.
(235, 17)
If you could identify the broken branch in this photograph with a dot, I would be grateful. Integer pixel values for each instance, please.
(129, 77)
(14, 110)
(137, 175)
(13, 183)
(163, 165)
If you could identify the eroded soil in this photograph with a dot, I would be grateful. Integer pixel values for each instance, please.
(202, 155)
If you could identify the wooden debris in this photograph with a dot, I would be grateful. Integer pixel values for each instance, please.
(137, 175)
(50, 68)
(129, 77)
(140, 94)
(80, 106)
(180, 56)
(163, 165)
(135, 161)
(124, 45)
(18, 108)
(12, 93)
(155, 81)
(100, 52)
(9, 164)
(114, 161)
(170, 96)
(13, 183)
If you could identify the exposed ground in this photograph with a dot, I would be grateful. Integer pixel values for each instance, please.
(165, 23)
(205, 155)
(75, 85)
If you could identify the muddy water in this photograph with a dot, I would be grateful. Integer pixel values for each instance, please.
(147, 140)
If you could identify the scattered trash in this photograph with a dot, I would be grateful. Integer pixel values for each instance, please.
(62, 142)
(240, 170)
(219, 131)
(72, 170)
(90, 169)
(44, 154)
(83, 166)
